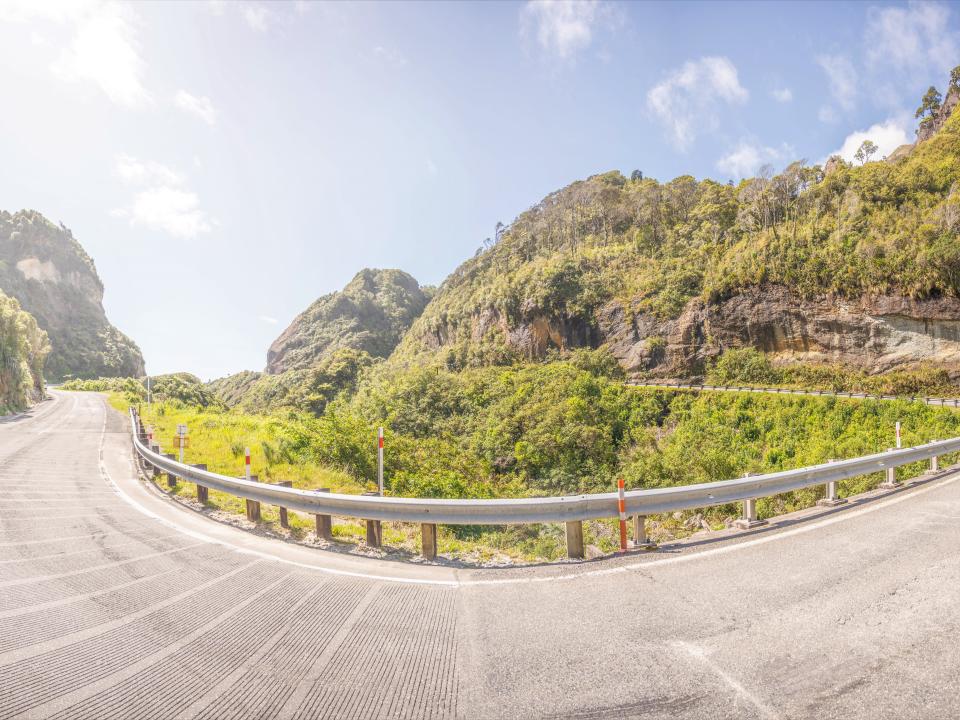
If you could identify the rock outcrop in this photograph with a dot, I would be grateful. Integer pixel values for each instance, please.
(939, 119)
(872, 333)
(370, 314)
(44, 267)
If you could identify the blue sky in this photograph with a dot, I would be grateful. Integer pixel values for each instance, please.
(227, 163)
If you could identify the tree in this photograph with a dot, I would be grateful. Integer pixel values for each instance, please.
(930, 103)
(638, 175)
(865, 151)
(955, 78)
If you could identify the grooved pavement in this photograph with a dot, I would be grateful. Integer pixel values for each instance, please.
(115, 603)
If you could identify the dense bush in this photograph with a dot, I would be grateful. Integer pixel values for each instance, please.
(23, 350)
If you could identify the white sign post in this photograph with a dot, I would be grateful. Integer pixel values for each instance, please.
(380, 460)
(898, 434)
(148, 391)
(182, 437)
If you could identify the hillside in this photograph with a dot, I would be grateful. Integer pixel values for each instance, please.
(858, 265)
(370, 314)
(23, 348)
(53, 278)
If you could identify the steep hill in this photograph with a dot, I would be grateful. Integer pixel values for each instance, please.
(53, 278)
(370, 314)
(855, 264)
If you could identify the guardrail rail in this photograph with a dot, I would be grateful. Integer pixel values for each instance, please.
(572, 509)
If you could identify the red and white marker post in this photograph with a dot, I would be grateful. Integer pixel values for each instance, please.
(380, 460)
(246, 466)
(622, 507)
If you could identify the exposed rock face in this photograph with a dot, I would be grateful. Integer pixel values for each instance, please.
(53, 278)
(370, 314)
(925, 132)
(873, 333)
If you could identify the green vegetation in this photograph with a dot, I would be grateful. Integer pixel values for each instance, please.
(748, 366)
(184, 389)
(370, 314)
(23, 349)
(44, 267)
(846, 230)
(308, 389)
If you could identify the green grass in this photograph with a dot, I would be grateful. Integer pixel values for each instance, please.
(732, 433)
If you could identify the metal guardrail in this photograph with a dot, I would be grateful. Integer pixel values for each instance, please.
(568, 509)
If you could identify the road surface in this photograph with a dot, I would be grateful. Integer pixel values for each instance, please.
(118, 603)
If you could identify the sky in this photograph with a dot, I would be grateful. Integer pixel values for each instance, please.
(225, 164)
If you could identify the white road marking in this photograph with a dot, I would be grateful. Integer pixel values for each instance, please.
(842, 516)
(698, 653)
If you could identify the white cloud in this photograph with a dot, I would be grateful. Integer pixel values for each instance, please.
(782, 95)
(686, 101)
(256, 16)
(104, 50)
(565, 27)
(269, 320)
(842, 77)
(200, 106)
(161, 201)
(887, 136)
(391, 57)
(745, 159)
(912, 38)
(827, 114)
(138, 172)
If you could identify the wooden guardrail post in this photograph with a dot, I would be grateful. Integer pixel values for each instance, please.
(203, 492)
(640, 537)
(284, 523)
(253, 506)
(575, 539)
(428, 540)
(171, 477)
(154, 470)
(374, 528)
(324, 522)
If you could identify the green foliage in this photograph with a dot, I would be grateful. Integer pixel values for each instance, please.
(309, 389)
(652, 248)
(744, 365)
(369, 315)
(23, 350)
(180, 389)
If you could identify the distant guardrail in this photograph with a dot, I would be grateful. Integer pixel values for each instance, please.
(571, 509)
(938, 402)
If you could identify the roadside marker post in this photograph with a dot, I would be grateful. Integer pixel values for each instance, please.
(622, 507)
(898, 435)
(380, 460)
(148, 392)
(246, 464)
(181, 438)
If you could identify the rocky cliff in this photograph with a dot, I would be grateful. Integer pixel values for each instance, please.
(44, 267)
(370, 314)
(859, 265)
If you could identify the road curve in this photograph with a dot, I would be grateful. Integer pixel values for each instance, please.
(116, 603)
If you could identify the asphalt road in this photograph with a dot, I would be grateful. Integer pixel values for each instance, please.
(117, 603)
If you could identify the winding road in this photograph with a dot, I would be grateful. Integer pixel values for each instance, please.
(118, 603)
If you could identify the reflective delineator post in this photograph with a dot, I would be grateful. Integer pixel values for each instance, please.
(622, 508)
(246, 467)
(380, 460)
(898, 435)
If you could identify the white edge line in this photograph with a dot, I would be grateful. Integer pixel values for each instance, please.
(842, 516)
